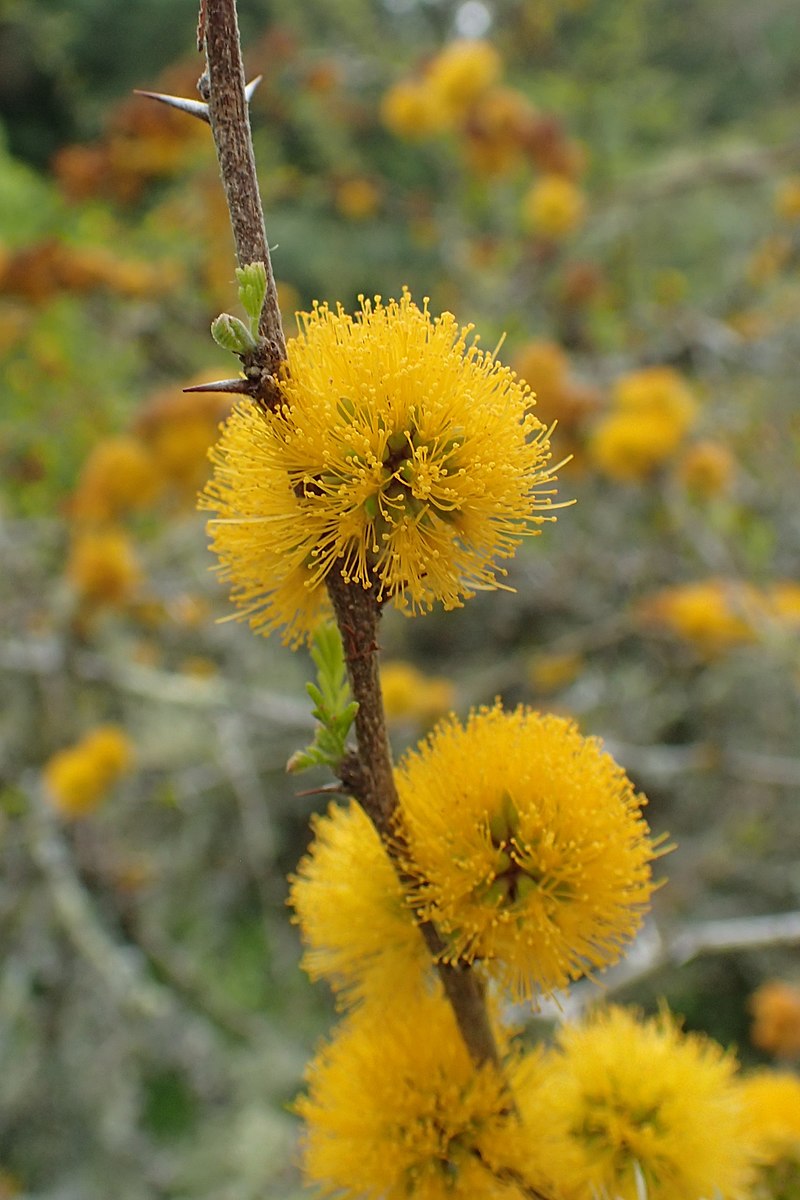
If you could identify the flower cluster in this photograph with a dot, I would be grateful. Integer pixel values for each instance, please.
(402, 457)
(497, 128)
(79, 777)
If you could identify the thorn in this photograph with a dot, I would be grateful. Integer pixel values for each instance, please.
(239, 387)
(195, 108)
(251, 87)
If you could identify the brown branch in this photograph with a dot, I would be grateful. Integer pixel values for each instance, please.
(370, 775)
(357, 614)
(224, 89)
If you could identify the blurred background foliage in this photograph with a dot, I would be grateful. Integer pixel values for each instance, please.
(613, 187)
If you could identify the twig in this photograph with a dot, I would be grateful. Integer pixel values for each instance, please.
(230, 126)
(356, 610)
(357, 614)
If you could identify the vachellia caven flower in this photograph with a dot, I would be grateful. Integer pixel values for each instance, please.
(79, 777)
(395, 1109)
(402, 456)
(630, 1108)
(772, 1113)
(528, 847)
(357, 925)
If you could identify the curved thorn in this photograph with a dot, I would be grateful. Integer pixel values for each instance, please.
(194, 108)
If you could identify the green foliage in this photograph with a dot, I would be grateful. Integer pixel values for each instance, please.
(333, 709)
(252, 291)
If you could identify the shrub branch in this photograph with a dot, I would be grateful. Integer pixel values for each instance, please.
(369, 773)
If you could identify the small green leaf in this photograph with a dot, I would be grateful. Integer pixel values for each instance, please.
(334, 710)
(252, 291)
(232, 334)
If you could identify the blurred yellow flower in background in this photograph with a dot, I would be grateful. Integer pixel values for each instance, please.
(787, 198)
(410, 109)
(772, 1114)
(102, 567)
(79, 777)
(553, 207)
(117, 478)
(461, 73)
(652, 410)
(776, 1018)
(408, 693)
(706, 468)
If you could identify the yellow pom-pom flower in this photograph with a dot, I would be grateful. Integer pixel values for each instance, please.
(630, 446)
(772, 1112)
(79, 777)
(102, 567)
(118, 477)
(706, 468)
(631, 1108)
(402, 457)
(356, 922)
(410, 694)
(712, 614)
(396, 1109)
(657, 391)
(553, 207)
(410, 109)
(461, 73)
(776, 1018)
(528, 846)
(787, 199)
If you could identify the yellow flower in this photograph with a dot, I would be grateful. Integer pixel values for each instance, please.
(714, 614)
(656, 391)
(495, 133)
(178, 428)
(102, 567)
(528, 846)
(776, 1018)
(706, 468)
(633, 1108)
(545, 364)
(772, 1112)
(553, 207)
(630, 446)
(357, 198)
(783, 602)
(409, 693)
(79, 777)
(396, 1109)
(461, 73)
(787, 199)
(402, 457)
(118, 477)
(549, 672)
(355, 919)
(411, 110)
